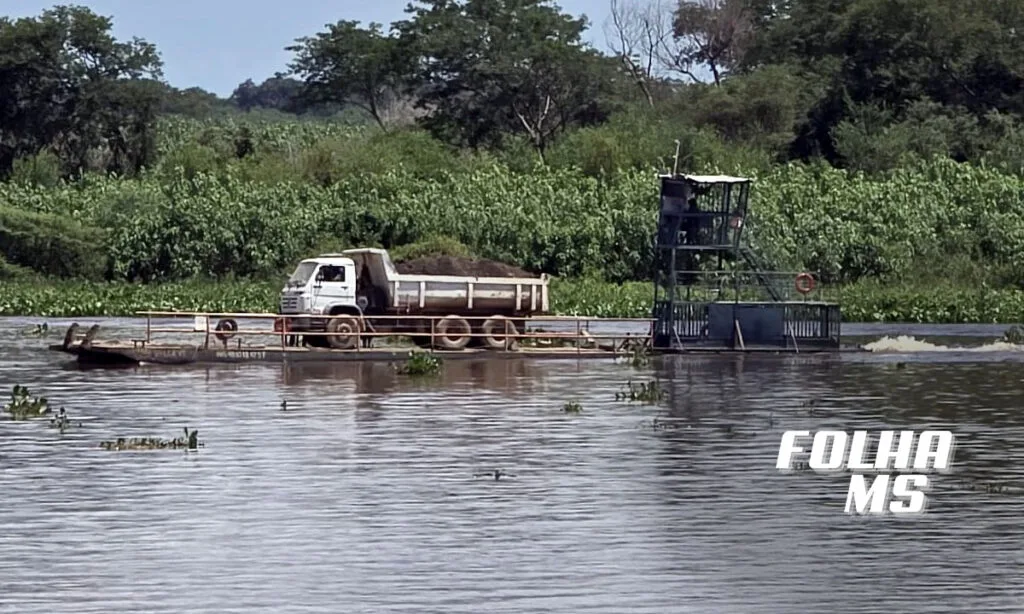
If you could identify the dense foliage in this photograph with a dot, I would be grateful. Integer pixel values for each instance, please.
(863, 302)
(916, 224)
(885, 139)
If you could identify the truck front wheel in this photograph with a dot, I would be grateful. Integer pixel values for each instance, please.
(344, 333)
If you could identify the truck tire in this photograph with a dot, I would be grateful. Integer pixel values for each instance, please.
(349, 333)
(496, 334)
(452, 333)
(225, 329)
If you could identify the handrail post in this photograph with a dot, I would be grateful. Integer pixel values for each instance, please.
(149, 327)
(432, 334)
(579, 341)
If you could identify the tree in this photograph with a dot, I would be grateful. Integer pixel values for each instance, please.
(279, 93)
(895, 55)
(636, 33)
(68, 85)
(193, 102)
(350, 65)
(487, 69)
(709, 33)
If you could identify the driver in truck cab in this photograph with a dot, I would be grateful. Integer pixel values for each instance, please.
(333, 273)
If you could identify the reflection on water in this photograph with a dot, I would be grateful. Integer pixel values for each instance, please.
(359, 495)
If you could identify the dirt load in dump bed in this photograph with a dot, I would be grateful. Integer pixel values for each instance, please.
(453, 265)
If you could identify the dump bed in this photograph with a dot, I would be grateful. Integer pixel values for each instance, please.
(451, 294)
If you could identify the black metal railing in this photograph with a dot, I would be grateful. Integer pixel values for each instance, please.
(804, 325)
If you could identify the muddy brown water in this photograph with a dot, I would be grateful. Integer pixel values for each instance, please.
(361, 496)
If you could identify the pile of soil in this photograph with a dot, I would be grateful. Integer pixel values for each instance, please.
(454, 265)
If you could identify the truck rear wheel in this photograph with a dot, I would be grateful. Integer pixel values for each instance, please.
(346, 333)
(452, 333)
(499, 333)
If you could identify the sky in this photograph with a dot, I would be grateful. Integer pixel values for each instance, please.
(218, 44)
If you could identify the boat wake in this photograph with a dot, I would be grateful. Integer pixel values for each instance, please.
(907, 344)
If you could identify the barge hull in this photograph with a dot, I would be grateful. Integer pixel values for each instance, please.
(112, 355)
(121, 355)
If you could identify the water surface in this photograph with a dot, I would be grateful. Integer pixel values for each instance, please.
(361, 495)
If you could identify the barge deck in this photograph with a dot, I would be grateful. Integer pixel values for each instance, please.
(572, 338)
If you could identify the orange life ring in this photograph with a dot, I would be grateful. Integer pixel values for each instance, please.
(804, 283)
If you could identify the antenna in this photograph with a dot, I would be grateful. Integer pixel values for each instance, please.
(675, 161)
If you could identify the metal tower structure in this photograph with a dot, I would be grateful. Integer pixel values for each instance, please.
(712, 291)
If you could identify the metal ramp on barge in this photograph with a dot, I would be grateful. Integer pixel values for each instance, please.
(713, 292)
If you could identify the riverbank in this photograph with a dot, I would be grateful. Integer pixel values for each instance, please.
(861, 302)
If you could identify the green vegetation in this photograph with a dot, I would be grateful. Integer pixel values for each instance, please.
(23, 405)
(645, 392)
(866, 301)
(189, 442)
(421, 363)
(505, 137)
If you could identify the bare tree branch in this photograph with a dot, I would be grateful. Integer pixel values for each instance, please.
(535, 126)
(710, 33)
(647, 38)
(634, 31)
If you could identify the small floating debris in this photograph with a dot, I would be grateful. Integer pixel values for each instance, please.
(23, 405)
(39, 330)
(666, 424)
(421, 363)
(61, 421)
(991, 487)
(638, 357)
(497, 474)
(644, 392)
(189, 442)
(572, 407)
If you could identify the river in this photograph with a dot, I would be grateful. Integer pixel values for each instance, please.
(360, 495)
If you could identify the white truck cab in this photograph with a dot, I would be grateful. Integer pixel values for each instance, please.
(320, 285)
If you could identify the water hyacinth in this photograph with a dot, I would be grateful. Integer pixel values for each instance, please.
(189, 442)
(23, 406)
(560, 221)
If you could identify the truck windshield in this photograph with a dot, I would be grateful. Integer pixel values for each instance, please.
(302, 274)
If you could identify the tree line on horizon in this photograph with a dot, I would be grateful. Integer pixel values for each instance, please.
(858, 84)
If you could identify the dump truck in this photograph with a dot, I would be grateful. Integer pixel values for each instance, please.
(364, 285)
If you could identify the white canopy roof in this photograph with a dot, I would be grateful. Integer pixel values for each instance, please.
(712, 178)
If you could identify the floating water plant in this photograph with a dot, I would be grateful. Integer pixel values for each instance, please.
(638, 357)
(189, 442)
(644, 392)
(39, 330)
(61, 421)
(421, 363)
(667, 424)
(992, 487)
(23, 405)
(572, 407)
(1014, 335)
